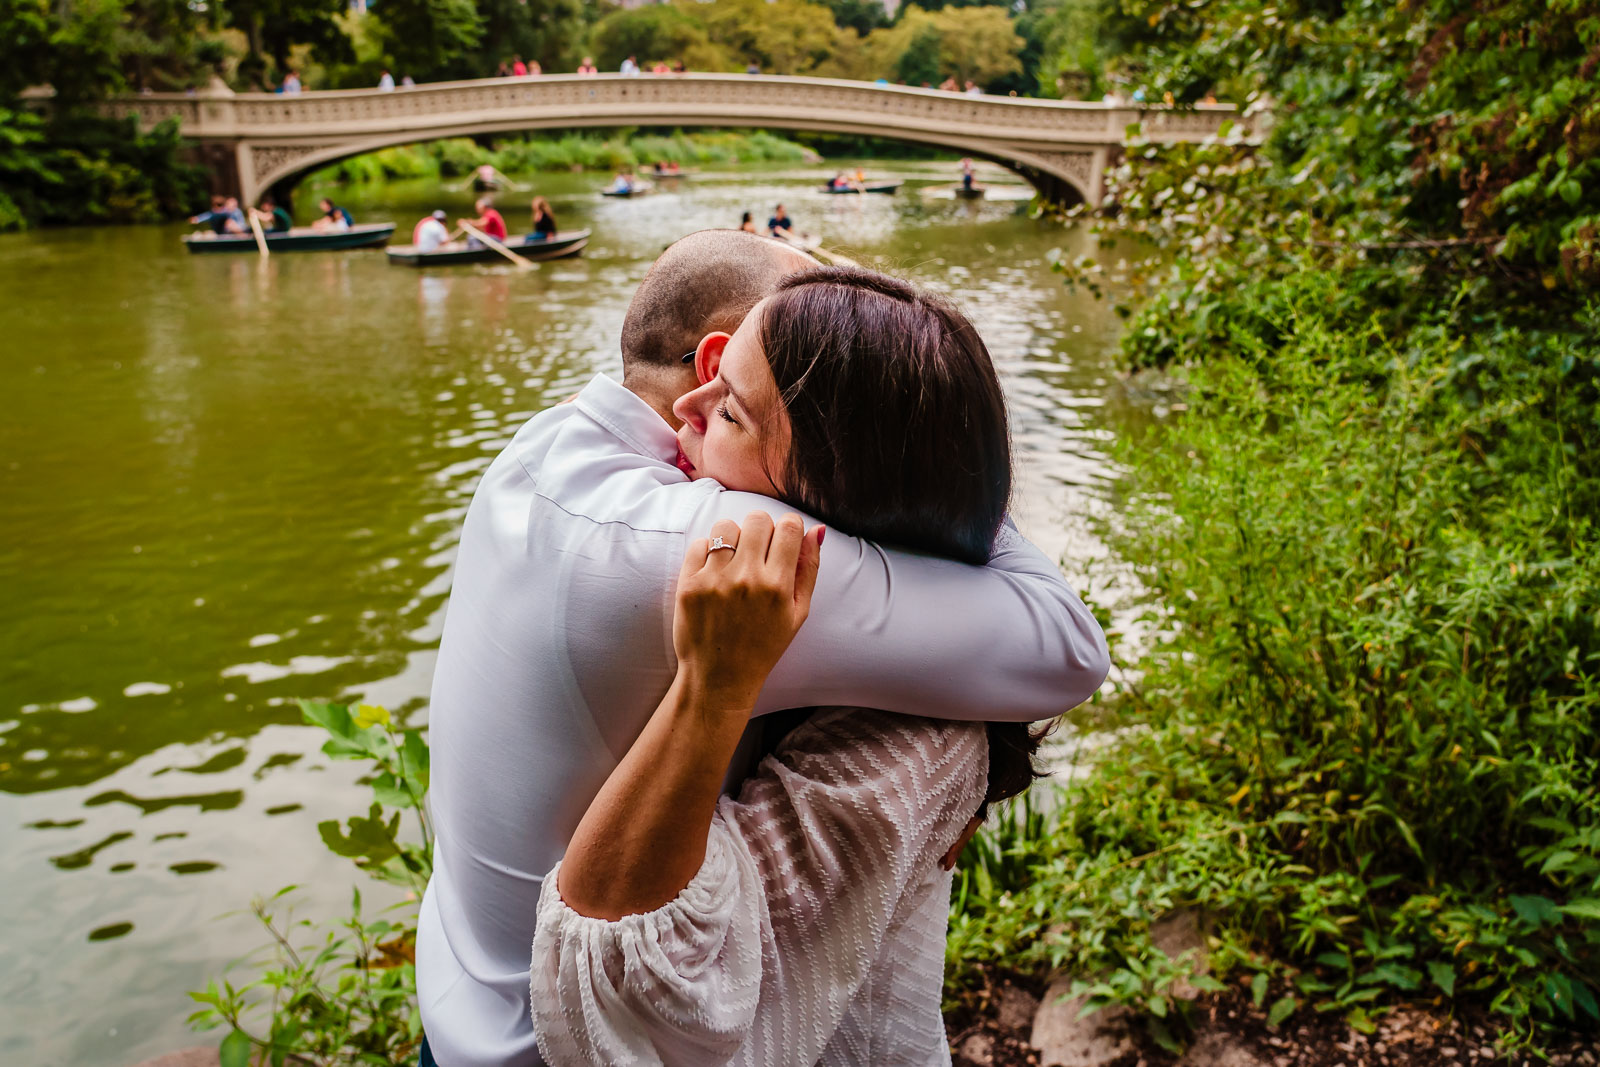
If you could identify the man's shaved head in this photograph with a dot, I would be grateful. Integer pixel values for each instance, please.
(704, 283)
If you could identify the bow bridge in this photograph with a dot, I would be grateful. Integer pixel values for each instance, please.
(255, 141)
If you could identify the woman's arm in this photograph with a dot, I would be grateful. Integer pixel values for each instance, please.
(644, 835)
(820, 877)
(899, 631)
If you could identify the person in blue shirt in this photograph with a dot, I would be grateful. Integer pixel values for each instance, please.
(780, 224)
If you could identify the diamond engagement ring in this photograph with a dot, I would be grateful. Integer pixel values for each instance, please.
(718, 542)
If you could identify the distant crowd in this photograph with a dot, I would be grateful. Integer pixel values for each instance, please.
(517, 67)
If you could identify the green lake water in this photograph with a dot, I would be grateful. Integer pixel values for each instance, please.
(227, 483)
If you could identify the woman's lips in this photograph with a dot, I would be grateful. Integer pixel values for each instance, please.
(681, 461)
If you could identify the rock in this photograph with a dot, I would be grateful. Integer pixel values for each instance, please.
(977, 1050)
(1219, 1050)
(1181, 935)
(1064, 1040)
(1015, 1008)
(198, 1056)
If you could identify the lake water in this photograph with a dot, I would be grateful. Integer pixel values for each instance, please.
(227, 483)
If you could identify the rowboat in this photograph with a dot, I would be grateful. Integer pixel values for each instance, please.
(964, 193)
(568, 243)
(637, 189)
(302, 239)
(864, 187)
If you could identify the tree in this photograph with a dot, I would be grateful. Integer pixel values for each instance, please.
(432, 38)
(979, 44)
(546, 30)
(920, 62)
(272, 28)
(862, 16)
(781, 36)
(968, 43)
(656, 32)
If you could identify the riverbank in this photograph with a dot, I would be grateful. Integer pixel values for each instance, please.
(532, 153)
(1019, 1021)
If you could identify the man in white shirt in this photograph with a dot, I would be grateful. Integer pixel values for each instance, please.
(558, 638)
(629, 68)
(431, 232)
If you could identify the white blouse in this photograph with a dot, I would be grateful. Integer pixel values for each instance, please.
(813, 933)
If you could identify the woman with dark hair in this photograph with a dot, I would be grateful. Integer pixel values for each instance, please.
(804, 921)
(544, 220)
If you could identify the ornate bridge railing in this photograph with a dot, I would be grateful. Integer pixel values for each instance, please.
(276, 137)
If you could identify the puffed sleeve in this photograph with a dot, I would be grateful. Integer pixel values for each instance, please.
(758, 958)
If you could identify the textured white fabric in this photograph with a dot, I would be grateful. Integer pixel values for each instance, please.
(558, 645)
(812, 934)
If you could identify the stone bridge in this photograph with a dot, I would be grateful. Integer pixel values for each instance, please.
(255, 141)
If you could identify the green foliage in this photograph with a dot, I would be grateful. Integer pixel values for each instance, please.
(400, 781)
(654, 32)
(273, 28)
(432, 39)
(339, 994)
(573, 151)
(83, 168)
(1451, 144)
(343, 993)
(1365, 720)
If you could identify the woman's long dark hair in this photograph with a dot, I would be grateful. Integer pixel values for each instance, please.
(898, 432)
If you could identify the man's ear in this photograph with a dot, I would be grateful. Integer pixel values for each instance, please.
(708, 355)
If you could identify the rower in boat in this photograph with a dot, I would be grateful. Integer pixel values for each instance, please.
(556, 246)
(780, 224)
(626, 183)
(430, 232)
(489, 221)
(224, 217)
(273, 218)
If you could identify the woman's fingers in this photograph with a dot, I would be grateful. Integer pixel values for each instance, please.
(783, 554)
(727, 533)
(694, 557)
(755, 536)
(806, 567)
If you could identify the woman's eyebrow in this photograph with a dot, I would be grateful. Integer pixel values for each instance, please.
(734, 394)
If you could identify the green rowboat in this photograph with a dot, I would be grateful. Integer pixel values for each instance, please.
(296, 240)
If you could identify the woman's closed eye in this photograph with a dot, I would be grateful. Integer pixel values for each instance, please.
(722, 409)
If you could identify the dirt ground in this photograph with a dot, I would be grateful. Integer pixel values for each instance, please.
(992, 1029)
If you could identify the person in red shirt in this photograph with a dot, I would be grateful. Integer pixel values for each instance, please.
(488, 220)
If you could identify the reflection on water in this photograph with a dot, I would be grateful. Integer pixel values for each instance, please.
(228, 482)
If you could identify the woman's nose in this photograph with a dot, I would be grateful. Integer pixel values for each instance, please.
(690, 407)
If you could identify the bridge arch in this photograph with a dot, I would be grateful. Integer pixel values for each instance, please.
(1059, 184)
(1061, 147)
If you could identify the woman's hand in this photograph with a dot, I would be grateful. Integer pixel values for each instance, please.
(740, 605)
(644, 836)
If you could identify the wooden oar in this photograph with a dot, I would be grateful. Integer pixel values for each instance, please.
(261, 238)
(522, 264)
(518, 186)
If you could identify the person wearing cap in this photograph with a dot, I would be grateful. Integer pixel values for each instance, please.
(430, 232)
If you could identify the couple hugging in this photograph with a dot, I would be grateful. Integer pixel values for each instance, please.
(635, 864)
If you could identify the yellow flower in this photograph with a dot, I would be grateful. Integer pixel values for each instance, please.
(371, 715)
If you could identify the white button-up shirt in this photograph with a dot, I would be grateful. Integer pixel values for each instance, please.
(557, 647)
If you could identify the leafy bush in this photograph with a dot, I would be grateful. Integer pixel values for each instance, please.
(572, 151)
(81, 168)
(343, 993)
(1369, 745)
